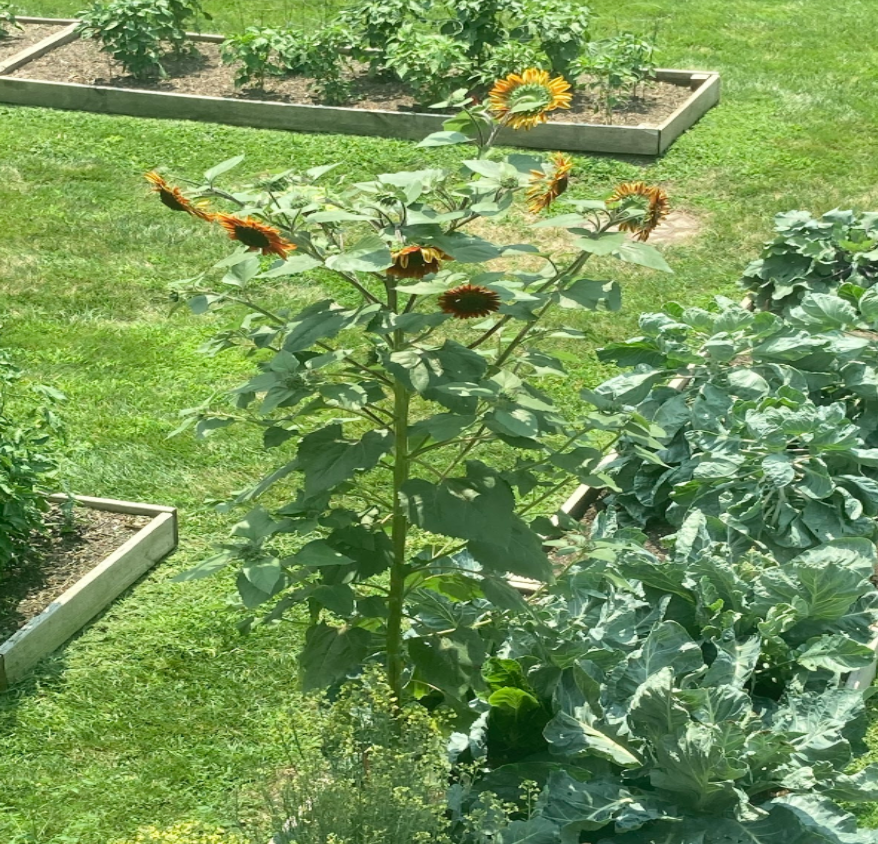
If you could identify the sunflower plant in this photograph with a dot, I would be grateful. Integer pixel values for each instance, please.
(418, 456)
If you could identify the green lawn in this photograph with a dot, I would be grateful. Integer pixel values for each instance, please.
(160, 711)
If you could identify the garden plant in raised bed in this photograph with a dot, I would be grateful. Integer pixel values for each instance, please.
(28, 459)
(386, 400)
(8, 21)
(774, 432)
(618, 66)
(138, 34)
(429, 50)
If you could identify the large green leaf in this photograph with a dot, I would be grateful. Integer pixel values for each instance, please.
(331, 653)
(522, 554)
(693, 765)
(835, 653)
(450, 663)
(667, 645)
(442, 139)
(584, 735)
(371, 551)
(577, 806)
(655, 709)
(461, 507)
(515, 724)
(634, 252)
(319, 321)
(537, 830)
(328, 459)
(824, 581)
(735, 662)
(319, 553)
(370, 254)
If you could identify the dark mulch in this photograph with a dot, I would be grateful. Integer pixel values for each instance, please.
(30, 34)
(60, 558)
(205, 74)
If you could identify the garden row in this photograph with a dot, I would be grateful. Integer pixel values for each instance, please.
(377, 69)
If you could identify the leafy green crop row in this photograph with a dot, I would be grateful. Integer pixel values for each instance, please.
(774, 432)
(694, 699)
(27, 458)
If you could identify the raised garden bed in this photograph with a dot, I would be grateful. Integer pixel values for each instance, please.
(36, 36)
(72, 74)
(139, 534)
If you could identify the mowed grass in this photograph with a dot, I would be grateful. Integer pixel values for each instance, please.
(160, 710)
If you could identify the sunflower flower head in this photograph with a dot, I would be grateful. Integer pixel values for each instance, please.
(523, 100)
(255, 235)
(469, 301)
(547, 184)
(416, 261)
(173, 198)
(652, 203)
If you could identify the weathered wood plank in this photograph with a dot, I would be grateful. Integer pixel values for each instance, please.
(59, 21)
(113, 505)
(85, 599)
(701, 101)
(48, 44)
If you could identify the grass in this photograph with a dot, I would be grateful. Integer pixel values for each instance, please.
(160, 711)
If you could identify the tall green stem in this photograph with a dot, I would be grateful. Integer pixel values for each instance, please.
(400, 525)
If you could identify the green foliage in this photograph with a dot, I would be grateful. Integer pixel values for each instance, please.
(260, 52)
(479, 24)
(508, 57)
(184, 832)
(375, 23)
(679, 700)
(432, 65)
(27, 461)
(814, 255)
(619, 65)
(254, 51)
(384, 420)
(378, 774)
(140, 33)
(322, 55)
(757, 154)
(433, 48)
(774, 431)
(8, 20)
(560, 28)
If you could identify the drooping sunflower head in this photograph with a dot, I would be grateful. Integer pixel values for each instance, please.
(173, 198)
(255, 235)
(547, 184)
(652, 203)
(523, 100)
(416, 261)
(469, 301)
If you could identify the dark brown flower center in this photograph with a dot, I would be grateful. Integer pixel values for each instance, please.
(252, 237)
(168, 199)
(469, 301)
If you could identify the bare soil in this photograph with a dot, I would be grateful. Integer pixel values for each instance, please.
(27, 36)
(203, 73)
(60, 558)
